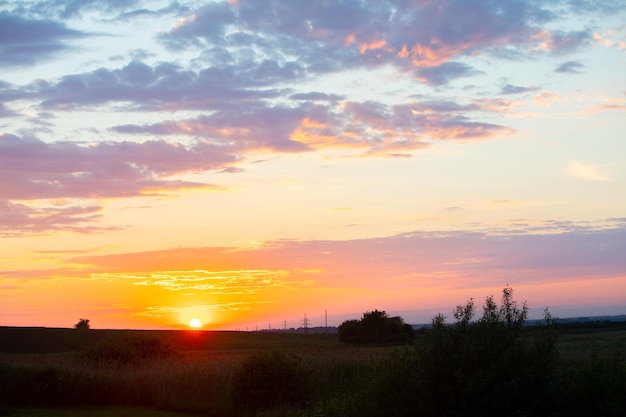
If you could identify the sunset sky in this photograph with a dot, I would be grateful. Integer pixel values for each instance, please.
(248, 162)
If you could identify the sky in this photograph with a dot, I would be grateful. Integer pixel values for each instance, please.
(250, 162)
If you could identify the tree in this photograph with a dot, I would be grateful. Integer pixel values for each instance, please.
(376, 327)
(349, 331)
(83, 324)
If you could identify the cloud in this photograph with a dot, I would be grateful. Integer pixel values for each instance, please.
(559, 42)
(583, 171)
(373, 127)
(32, 169)
(546, 98)
(25, 42)
(427, 37)
(236, 282)
(5, 112)
(314, 96)
(67, 9)
(444, 73)
(21, 219)
(570, 67)
(595, 6)
(162, 87)
(410, 262)
(246, 128)
(506, 88)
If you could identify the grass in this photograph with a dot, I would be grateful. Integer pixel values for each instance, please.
(89, 412)
(193, 372)
(195, 381)
(577, 347)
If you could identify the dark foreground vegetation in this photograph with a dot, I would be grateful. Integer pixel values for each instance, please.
(485, 366)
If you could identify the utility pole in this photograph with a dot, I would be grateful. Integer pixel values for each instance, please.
(305, 324)
(326, 321)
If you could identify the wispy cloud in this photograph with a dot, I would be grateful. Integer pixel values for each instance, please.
(507, 88)
(570, 67)
(546, 98)
(22, 219)
(591, 172)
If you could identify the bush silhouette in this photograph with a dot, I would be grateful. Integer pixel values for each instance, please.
(473, 367)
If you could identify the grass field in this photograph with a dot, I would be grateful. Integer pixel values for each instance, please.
(196, 372)
(89, 412)
(577, 347)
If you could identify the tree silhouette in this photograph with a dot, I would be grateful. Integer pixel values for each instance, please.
(83, 324)
(376, 327)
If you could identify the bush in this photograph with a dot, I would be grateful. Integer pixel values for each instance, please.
(269, 379)
(473, 368)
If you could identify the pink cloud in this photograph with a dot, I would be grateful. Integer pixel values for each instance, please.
(33, 169)
(546, 98)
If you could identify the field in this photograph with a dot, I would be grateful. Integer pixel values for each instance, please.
(100, 373)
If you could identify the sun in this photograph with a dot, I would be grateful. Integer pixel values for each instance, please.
(195, 323)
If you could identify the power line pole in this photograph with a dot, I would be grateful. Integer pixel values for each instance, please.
(305, 324)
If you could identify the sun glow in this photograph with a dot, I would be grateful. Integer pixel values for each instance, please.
(195, 323)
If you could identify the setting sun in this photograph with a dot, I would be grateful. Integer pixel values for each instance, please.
(195, 323)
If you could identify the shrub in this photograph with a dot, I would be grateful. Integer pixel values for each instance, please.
(472, 368)
(270, 378)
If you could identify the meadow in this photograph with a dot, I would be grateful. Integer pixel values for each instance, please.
(100, 373)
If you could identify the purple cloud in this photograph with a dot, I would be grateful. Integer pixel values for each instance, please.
(163, 87)
(315, 96)
(26, 42)
(33, 169)
(19, 219)
(426, 37)
(371, 127)
(248, 127)
(444, 73)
